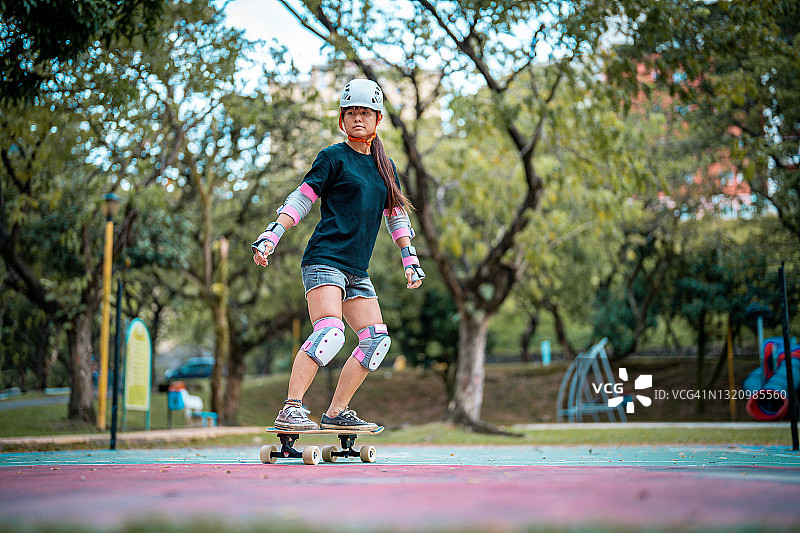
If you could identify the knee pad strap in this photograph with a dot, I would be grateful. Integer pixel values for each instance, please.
(326, 340)
(373, 345)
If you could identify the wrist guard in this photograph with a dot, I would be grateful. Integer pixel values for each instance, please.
(410, 260)
(273, 234)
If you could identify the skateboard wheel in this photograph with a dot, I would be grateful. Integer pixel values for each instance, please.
(327, 454)
(311, 455)
(266, 454)
(367, 454)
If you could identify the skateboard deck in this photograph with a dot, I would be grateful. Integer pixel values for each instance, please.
(311, 455)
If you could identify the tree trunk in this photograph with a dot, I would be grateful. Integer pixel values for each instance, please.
(233, 388)
(81, 397)
(220, 360)
(222, 335)
(561, 330)
(702, 342)
(527, 335)
(154, 332)
(465, 405)
(42, 354)
(51, 360)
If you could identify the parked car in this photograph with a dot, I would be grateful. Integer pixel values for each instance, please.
(193, 367)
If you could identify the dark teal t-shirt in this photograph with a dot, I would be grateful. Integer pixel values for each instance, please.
(353, 197)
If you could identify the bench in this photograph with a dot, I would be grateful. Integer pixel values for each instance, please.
(179, 399)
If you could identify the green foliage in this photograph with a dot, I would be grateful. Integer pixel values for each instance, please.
(152, 112)
(703, 271)
(428, 334)
(39, 38)
(726, 267)
(164, 122)
(735, 64)
(47, 183)
(23, 335)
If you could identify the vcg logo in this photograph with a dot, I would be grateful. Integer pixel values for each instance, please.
(644, 381)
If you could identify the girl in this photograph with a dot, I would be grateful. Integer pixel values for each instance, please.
(357, 184)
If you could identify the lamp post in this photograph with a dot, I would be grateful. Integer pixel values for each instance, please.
(110, 208)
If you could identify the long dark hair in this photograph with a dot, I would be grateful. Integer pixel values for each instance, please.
(396, 197)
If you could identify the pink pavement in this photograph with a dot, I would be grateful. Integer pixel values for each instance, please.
(403, 498)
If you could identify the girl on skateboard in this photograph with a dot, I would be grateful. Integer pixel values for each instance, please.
(357, 186)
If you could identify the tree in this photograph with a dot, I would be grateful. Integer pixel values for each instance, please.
(164, 122)
(725, 266)
(50, 236)
(221, 174)
(26, 357)
(265, 303)
(471, 225)
(677, 150)
(600, 168)
(53, 163)
(737, 64)
(40, 38)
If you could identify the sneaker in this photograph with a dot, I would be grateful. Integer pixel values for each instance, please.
(294, 418)
(347, 419)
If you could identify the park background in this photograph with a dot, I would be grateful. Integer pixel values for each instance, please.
(602, 169)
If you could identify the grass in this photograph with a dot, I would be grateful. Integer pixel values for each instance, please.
(440, 433)
(412, 403)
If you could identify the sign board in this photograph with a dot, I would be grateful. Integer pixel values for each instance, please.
(138, 358)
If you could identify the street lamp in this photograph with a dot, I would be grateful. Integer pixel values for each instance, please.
(110, 208)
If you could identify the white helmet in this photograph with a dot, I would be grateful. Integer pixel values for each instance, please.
(362, 93)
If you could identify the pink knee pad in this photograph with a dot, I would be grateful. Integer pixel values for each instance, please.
(373, 345)
(326, 340)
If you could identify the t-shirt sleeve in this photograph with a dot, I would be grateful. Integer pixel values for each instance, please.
(319, 173)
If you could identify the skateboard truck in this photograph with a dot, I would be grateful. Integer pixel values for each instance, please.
(329, 453)
(311, 455)
(347, 441)
(287, 446)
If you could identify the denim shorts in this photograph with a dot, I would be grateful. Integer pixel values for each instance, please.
(352, 286)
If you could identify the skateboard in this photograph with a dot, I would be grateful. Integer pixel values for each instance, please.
(311, 455)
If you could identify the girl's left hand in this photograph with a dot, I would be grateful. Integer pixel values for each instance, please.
(411, 284)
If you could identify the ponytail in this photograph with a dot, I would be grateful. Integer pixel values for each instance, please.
(396, 199)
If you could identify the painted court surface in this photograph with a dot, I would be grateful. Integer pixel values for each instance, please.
(413, 488)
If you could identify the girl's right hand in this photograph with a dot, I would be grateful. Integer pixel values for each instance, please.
(261, 258)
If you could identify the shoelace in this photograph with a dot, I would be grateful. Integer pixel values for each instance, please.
(349, 414)
(292, 411)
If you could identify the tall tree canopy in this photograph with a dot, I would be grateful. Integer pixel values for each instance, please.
(38, 38)
(738, 65)
(163, 122)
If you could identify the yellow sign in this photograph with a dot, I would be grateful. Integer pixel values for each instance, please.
(138, 357)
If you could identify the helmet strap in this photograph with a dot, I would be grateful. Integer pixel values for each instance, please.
(368, 141)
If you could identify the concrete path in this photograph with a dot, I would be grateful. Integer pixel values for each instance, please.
(412, 488)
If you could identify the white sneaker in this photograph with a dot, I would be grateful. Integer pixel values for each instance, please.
(295, 418)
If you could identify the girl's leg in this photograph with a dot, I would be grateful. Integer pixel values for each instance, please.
(325, 300)
(359, 313)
